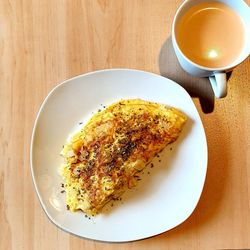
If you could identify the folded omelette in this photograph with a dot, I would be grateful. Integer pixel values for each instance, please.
(104, 158)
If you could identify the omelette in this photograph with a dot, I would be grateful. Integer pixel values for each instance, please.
(104, 158)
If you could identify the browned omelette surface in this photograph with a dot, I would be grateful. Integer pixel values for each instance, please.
(104, 157)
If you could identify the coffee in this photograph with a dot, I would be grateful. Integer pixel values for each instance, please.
(211, 34)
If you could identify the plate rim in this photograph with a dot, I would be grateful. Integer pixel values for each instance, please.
(58, 225)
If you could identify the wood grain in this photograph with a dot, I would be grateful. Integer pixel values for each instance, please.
(45, 42)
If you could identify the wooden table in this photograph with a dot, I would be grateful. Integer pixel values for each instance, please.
(44, 42)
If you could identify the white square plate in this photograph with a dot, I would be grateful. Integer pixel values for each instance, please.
(167, 194)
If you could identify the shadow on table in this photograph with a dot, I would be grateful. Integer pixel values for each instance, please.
(196, 87)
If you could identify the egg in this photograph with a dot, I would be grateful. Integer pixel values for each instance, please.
(104, 158)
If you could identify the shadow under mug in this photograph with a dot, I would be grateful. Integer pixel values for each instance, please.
(217, 76)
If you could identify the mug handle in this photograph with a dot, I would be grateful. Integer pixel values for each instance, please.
(219, 84)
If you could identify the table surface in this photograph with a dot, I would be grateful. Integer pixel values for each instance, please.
(45, 42)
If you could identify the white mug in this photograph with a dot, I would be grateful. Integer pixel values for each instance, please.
(217, 76)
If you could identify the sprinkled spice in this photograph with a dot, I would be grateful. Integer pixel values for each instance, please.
(171, 148)
(129, 140)
(63, 191)
(80, 123)
(67, 207)
(62, 185)
(86, 216)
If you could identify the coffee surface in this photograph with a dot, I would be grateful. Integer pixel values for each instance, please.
(211, 34)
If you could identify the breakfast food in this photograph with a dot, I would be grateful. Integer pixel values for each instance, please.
(104, 158)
